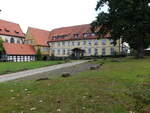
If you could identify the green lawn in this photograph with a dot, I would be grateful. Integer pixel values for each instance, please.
(10, 67)
(118, 87)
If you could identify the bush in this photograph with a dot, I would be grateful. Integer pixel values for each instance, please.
(52, 57)
(1, 47)
(39, 55)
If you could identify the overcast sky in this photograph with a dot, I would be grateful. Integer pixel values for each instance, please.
(48, 14)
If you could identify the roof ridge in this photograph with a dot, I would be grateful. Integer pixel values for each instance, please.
(8, 21)
(37, 28)
(70, 26)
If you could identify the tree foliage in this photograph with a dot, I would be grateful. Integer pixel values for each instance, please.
(126, 19)
(39, 54)
(1, 46)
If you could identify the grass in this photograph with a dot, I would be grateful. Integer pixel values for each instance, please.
(10, 67)
(118, 87)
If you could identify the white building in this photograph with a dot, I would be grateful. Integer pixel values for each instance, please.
(11, 32)
(15, 49)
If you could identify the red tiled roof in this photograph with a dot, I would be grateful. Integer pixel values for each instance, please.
(10, 29)
(18, 49)
(40, 36)
(70, 31)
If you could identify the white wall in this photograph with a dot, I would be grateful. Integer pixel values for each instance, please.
(20, 58)
(99, 46)
(4, 37)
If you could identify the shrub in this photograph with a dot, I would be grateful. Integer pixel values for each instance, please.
(39, 54)
(52, 57)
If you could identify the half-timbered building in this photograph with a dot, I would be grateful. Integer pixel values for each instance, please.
(19, 52)
(14, 48)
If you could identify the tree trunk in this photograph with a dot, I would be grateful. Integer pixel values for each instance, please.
(140, 51)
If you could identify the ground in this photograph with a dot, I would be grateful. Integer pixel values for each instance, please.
(119, 86)
(58, 72)
(27, 73)
(10, 67)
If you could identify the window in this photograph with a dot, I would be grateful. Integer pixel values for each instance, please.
(45, 49)
(111, 51)
(12, 40)
(89, 51)
(6, 30)
(85, 35)
(88, 34)
(104, 42)
(111, 41)
(96, 42)
(78, 43)
(72, 43)
(68, 52)
(76, 35)
(96, 52)
(28, 42)
(58, 44)
(84, 42)
(53, 52)
(18, 41)
(93, 34)
(16, 32)
(63, 43)
(103, 51)
(22, 41)
(53, 44)
(68, 43)
(89, 42)
(64, 51)
(58, 51)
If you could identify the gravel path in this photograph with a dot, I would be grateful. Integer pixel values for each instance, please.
(14, 76)
(58, 72)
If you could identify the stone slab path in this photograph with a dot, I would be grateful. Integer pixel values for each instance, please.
(13, 76)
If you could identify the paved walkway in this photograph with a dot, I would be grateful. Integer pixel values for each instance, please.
(13, 76)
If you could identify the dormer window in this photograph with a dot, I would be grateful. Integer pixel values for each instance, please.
(16, 32)
(6, 30)
(54, 37)
(86, 34)
(76, 35)
(93, 34)
(59, 36)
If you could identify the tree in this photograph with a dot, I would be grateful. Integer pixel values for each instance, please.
(39, 54)
(125, 19)
(1, 46)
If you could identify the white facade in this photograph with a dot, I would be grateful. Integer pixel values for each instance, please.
(20, 58)
(9, 39)
(90, 47)
(16, 58)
